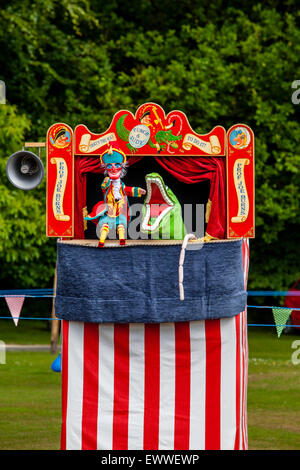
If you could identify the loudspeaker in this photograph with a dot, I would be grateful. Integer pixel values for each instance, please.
(25, 170)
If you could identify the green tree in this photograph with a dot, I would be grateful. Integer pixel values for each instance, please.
(27, 259)
(219, 62)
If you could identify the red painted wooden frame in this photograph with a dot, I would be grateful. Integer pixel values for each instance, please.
(151, 132)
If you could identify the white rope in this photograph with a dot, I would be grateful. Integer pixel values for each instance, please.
(188, 237)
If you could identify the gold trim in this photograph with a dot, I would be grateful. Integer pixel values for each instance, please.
(208, 210)
(49, 149)
(207, 238)
(84, 214)
(229, 232)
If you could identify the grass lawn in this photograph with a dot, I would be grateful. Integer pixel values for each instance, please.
(273, 391)
(27, 332)
(30, 403)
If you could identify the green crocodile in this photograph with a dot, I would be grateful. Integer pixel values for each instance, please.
(161, 211)
(161, 139)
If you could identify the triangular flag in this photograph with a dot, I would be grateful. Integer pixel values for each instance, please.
(15, 305)
(281, 316)
(56, 364)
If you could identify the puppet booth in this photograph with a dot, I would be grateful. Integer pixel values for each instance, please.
(152, 221)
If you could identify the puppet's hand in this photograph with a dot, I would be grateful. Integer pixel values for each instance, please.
(142, 191)
(105, 183)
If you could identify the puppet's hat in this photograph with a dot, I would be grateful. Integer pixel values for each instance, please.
(113, 154)
(146, 113)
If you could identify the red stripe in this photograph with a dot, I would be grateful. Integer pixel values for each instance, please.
(244, 260)
(238, 383)
(213, 385)
(244, 375)
(64, 379)
(121, 387)
(246, 380)
(90, 386)
(152, 381)
(182, 386)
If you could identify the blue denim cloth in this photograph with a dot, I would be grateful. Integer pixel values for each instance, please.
(140, 283)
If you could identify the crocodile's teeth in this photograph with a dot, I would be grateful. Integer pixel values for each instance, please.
(151, 219)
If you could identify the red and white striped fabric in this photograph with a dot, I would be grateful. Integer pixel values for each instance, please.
(168, 386)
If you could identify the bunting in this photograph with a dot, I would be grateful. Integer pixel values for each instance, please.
(281, 316)
(15, 305)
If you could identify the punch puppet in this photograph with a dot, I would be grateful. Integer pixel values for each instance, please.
(113, 213)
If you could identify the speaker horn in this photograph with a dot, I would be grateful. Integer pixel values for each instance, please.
(25, 170)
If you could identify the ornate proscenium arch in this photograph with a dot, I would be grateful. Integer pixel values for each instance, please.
(151, 132)
(188, 156)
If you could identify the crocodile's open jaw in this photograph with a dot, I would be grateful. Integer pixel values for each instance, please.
(158, 204)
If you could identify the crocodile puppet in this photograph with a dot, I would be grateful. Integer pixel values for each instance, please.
(161, 211)
(161, 138)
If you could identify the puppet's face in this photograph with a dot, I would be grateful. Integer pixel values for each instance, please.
(61, 140)
(240, 140)
(114, 170)
(146, 120)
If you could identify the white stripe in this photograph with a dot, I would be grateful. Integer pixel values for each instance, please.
(198, 381)
(245, 353)
(136, 386)
(241, 382)
(228, 383)
(244, 377)
(167, 386)
(106, 387)
(75, 386)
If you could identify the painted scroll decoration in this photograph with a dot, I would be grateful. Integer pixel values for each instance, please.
(60, 181)
(88, 145)
(240, 182)
(151, 132)
(212, 147)
(59, 189)
(241, 190)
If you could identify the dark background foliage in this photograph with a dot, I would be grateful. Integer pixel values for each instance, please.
(221, 63)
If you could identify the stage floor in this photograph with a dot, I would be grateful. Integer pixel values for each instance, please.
(115, 243)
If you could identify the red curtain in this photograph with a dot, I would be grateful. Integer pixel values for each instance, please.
(196, 169)
(188, 170)
(83, 165)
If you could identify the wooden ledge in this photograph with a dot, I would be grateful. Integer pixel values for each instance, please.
(115, 243)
